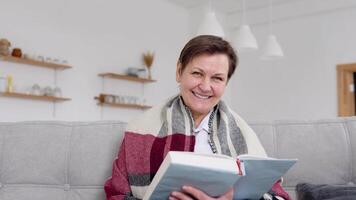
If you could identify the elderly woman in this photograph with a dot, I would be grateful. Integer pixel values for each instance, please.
(195, 120)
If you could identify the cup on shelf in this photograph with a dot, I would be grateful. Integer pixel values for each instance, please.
(33, 56)
(47, 91)
(122, 99)
(126, 99)
(48, 59)
(109, 99)
(26, 56)
(142, 73)
(40, 58)
(57, 92)
(56, 60)
(143, 101)
(135, 100)
(116, 99)
(35, 89)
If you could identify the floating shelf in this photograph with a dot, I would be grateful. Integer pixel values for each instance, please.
(33, 97)
(126, 77)
(34, 62)
(122, 105)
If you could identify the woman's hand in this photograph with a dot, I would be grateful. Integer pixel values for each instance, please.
(190, 193)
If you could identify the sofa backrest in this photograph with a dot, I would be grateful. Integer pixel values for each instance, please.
(326, 149)
(57, 160)
(72, 160)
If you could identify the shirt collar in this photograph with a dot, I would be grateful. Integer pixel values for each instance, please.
(204, 124)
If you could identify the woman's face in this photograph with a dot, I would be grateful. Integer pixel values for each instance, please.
(203, 82)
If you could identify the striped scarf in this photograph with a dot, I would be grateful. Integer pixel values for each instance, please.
(178, 119)
(169, 127)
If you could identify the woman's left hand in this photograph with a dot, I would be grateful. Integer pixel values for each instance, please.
(190, 193)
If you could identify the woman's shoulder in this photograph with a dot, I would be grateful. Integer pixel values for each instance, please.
(147, 123)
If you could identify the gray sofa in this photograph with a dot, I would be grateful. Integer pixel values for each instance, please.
(71, 160)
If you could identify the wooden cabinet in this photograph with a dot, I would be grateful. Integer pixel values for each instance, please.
(101, 98)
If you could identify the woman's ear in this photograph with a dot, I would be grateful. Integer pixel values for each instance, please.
(178, 72)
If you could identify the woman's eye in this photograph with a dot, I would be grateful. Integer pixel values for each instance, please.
(218, 78)
(196, 73)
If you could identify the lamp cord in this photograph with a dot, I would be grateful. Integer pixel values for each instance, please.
(270, 16)
(243, 12)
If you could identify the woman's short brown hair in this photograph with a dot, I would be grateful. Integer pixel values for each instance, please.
(208, 44)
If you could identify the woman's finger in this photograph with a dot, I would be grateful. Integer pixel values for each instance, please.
(172, 198)
(197, 194)
(180, 196)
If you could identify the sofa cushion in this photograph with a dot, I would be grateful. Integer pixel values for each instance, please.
(92, 149)
(266, 134)
(34, 153)
(351, 128)
(57, 160)
(307, 191)
(315, 144)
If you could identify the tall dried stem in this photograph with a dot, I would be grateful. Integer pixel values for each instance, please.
(148, 60)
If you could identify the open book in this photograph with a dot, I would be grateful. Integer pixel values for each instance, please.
(215, 174)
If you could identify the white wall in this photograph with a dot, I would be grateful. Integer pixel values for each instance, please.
(100, 36)
(94, 36)
(303, 84)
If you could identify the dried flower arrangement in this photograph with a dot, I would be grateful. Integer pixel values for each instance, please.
(148, 60)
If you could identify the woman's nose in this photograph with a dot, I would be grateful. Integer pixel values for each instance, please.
(205, 85)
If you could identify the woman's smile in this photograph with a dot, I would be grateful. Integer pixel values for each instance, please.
(201, 96)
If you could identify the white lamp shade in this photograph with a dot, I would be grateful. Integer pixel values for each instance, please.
(272, 49)
(245, 40)
(211, 26)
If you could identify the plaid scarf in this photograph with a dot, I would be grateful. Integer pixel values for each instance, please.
(169, 127)
(177, 118)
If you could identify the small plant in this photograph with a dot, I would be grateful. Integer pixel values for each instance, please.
(148, 58)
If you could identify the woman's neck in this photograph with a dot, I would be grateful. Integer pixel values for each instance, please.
(198, 119)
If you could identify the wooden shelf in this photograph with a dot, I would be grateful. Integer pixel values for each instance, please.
(121, 105)
(34, 62)
(126, 77)
(33, 97)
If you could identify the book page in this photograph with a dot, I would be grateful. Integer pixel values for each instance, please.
(260, 175)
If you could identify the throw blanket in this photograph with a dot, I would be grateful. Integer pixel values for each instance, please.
(308, 191)
(169, 127)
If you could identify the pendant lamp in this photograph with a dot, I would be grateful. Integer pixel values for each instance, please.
(272, 49)
(245, 40)
(210, 24)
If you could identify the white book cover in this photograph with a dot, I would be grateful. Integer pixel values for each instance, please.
(215, 174)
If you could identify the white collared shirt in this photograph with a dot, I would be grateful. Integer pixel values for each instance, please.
(202, 136)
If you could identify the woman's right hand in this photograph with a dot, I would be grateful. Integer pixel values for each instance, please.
(191, 193)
